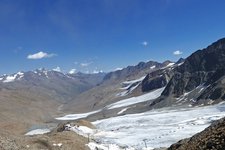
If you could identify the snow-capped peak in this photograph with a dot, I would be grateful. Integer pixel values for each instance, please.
(72, 71)
(152, 67)
(57, 69)
(11, 78)
(117, 69)
(97, 71)
(170, 64)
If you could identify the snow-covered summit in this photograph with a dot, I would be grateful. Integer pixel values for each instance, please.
(11, 78)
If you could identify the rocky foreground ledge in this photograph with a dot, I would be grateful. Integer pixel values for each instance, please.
(55, 140)
(212, 138)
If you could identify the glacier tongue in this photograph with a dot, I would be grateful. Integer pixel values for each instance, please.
(157, 128)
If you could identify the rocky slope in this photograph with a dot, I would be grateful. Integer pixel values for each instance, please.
(199, 80)
(121, 84)
(212, 138)
(35, 98)
(62, 87)
(58, 139)
(132, 72)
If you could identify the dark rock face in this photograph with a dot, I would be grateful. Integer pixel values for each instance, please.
(159, 78)
(181, 60)
(154, 81)
(212, 138)
(149, 84)
(204, 67)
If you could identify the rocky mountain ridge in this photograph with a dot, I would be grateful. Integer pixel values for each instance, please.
(36, 97)
(201, 77)
(61, 87)
(122, 84)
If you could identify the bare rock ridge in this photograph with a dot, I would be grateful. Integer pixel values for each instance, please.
(203, 68)
(211, 138)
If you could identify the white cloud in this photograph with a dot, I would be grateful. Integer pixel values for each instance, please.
(57, 69)
(86, 64)
(40, 55)
(72, 71)
(145, 43)
(177, 52)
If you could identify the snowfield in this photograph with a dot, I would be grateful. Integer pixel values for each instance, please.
(133, 81)
(77, 116)
(38, 131)
(157, 128)
(154, 129)
(123, 103)
(134, 100)
(129, 86)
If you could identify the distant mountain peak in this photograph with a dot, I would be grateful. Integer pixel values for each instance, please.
(181, 60)
(167, 62)
(57, 69)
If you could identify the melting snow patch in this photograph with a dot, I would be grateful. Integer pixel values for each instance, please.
(94, 146)
(152, 67)
(180, 64)
(38, 131)
(59, 144)
(77, 116)
(81, 130)
(201, 88)
(129, 86)
(170, 64)
(122, 111)
(210, 102)
(133, 100)
(134, 81)
(129, 89)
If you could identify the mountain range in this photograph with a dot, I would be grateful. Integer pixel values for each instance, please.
(36, 98)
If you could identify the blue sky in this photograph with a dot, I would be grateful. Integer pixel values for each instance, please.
(89, 35)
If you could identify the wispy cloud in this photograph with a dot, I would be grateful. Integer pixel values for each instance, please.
(177, 52)
(144, 43)
(85, 64)
(40, 55)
